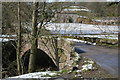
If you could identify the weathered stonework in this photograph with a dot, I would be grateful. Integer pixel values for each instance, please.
(48, 46)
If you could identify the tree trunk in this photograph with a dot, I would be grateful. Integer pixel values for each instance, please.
(33, 50)
(19, 41)
(56, 53)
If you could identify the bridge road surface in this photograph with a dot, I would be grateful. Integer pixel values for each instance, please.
(107, 58)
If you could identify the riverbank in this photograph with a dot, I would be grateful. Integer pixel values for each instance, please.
(107, 43)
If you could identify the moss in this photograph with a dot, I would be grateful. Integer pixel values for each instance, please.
(73, 54)
(65, 71)
(56, 75)
(75, 62)
(75, 72)
(47, 75)
(110, 45)
(72, 64)
(72, 43)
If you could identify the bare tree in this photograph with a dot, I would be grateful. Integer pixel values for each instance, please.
(19, 41)
(33, 50)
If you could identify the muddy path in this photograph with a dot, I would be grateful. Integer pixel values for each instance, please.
(106, 58)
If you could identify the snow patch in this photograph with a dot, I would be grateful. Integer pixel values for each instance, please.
(86, 67)
(78, 71)
(5, 39)
(35, 75)
(77, 57)
(81, 41)
(8, 35)
(77, 10)
(91, 62)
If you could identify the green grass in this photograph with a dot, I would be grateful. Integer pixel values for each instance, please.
(65, 71)
(75, 72)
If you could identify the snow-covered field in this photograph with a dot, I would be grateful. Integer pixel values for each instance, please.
(77, 28)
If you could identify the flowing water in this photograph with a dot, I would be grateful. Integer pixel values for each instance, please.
(105, 57)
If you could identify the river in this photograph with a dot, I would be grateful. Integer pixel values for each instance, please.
(106, 58)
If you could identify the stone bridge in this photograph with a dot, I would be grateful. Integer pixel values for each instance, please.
(47, 44)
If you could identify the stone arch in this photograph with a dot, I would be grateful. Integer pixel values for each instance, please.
(25, 48)
(50, 51)
(42, 61)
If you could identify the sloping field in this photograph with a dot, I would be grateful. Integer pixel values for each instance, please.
(77, 28)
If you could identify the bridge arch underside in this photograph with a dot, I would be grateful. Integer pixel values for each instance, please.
(42, 61)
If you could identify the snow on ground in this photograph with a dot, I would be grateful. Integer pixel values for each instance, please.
(91, 62)
(86, 67)
(35, 75)
(78, 28)
(78, 70)
(5, 39)
(77, 58)
(76, 10)
(101, 36)
(8, 35)
(75, 6)
(76, 40)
